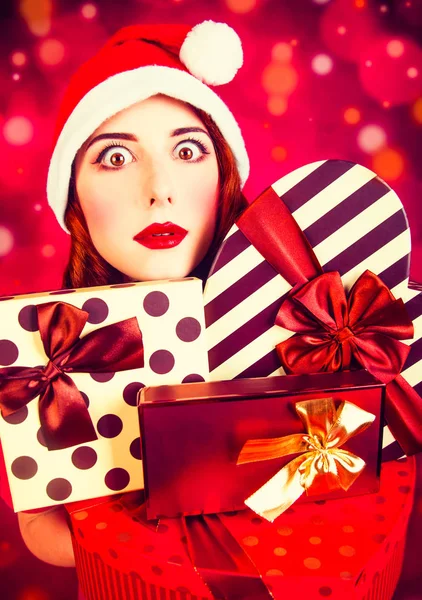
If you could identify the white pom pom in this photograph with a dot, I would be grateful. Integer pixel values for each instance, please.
(212, 52)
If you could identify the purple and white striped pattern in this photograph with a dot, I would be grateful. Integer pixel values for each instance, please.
(354, 222)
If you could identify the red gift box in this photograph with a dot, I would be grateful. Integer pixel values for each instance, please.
(192, 435)
(346, 549)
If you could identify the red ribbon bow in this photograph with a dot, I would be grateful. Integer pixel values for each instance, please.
(337, 333)
(64, 417)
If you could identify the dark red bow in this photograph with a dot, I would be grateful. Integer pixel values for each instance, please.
(335, 333)
(64, 417)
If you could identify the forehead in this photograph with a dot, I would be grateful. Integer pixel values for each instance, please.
(157, 113)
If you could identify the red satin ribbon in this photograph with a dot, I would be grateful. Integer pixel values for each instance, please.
(64, 417)
(334, 332)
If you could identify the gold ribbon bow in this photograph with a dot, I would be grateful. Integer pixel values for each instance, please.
(323, 466)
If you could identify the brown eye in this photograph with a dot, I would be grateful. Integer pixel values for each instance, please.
(117, 159)
(185, 153)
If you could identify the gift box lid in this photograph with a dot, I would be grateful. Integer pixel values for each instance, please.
(257, 387)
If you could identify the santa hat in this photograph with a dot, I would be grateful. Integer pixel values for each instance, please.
(132, 67)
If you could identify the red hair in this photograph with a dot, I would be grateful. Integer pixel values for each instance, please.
(86, 267)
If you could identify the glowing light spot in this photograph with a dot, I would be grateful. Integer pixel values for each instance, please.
(280, 79)
(48, 251)
(18, 59)
(371, 138)
(294, 42)
(395, 48)
(412, 72)
(360, 3)
(322, 64)
(352, 115)
(6, 240)
(51, 52)
(368, 63)
(417, 111)
(341, 30)
(278, 153)
(33, 592)
(282, 52)
(386, 104)
(37, 207)
(241, 6)
(16, 76)
(19, 170)
(383, 8)
(321, 1)
(277, 105)
(37, 15)
(89, 11)
(18, 131)
(388, 164)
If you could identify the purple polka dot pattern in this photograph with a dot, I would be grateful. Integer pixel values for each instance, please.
(156, 304)
(17, 417)
(117, 479)
(97, 309)
(24, 467)
(8, 352)
(109, 426)
(27, 318)
(135, 448)
(193, 378)
(130, 393)
(59, 489)
(41, 438)
(102, 377)
(188, 329)
(156, 570)
(325, 591)
(113, 553)
(84, 457)
(161, 362)
(86, 399)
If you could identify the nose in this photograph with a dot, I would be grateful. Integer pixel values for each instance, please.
(158, 185)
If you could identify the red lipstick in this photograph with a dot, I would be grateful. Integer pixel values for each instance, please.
(161, 236)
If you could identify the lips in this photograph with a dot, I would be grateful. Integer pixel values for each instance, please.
(161, 236)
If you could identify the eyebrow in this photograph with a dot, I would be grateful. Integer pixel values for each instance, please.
(132, 138)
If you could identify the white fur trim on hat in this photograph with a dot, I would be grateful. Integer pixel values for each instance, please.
(212, 52)
(119, 92)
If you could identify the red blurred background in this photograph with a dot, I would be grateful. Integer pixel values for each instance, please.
(321, 79)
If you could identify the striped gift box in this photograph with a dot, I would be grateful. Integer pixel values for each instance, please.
(354, 221)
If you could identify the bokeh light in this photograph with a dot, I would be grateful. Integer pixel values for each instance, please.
(51, 52)
(416, 111)
(18, 131)
(37, 207)
(48, 250)
(16, 76)
(371, 138)
(241, 6)
(395, 48)
(277, 105)
(37, 15)
(282, 52)
(322, 64)
(279, 78)
(33, 592)
(388, 164)
(6, 240)
(89, 11)
(279, 153)
(321, 1)
(352, 115)
(18, 59)
(401, 60)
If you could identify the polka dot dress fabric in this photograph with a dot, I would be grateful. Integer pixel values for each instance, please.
(170, 316)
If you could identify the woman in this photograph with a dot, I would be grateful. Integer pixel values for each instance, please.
(146, 176)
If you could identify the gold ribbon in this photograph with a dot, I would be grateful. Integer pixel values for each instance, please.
(322, 467)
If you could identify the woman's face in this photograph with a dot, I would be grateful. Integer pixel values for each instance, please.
(148, 184)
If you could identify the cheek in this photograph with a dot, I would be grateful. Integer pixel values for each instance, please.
(99, 207)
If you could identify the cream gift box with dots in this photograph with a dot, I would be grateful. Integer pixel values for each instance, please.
(170, 317)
